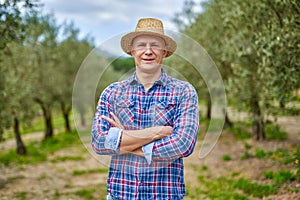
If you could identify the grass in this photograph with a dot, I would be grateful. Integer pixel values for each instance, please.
(39, 151)
(39, 126)
(90, 171)
(21, 195)
(290, 155)
(66, 158)
(246, 153)
(226, 157)
(230, 188)
(272, 131)
(281, 176)
(260, 153)
(85, 193)
(92, 192)
(251, 188)
(240, 132)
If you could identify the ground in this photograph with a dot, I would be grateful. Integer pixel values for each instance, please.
(85, 178)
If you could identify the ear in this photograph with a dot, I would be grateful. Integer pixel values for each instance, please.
(165, 52)
(131, 49)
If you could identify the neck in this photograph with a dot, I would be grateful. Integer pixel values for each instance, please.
(147, 79)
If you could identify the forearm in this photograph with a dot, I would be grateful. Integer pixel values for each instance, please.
(138, 152)
(182, 141)
(135, 139)
(176, 146)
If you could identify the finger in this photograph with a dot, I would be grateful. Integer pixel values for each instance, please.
(112, 122)
(117, 120)
(115, 117)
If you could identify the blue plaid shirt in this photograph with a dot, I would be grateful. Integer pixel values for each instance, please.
(160, 174)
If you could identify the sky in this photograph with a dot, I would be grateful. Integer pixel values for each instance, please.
(103, 19)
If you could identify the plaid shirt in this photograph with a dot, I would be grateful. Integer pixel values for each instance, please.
(169, 102)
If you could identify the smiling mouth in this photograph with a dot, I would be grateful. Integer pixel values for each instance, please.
(148, 60)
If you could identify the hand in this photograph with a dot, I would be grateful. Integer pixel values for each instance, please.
(115, 122)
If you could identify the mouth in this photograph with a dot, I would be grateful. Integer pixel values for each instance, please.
(148, 60)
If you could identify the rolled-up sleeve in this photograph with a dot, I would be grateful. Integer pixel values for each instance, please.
(105, 139)
(112, 140)
(182, 141)
(147, 150)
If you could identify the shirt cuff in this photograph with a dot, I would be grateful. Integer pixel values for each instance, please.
(112, 140)
(147, 150)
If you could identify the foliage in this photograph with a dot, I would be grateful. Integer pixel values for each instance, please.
(296, 159)
(11, 24)
(273, 132)
(256, 46)
(72, 51)
(280, 176)
(35, 53)
(226, 157)
(123, 64)
(246, 153)
(12, 31)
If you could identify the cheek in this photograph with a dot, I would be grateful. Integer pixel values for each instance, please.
(159, 58)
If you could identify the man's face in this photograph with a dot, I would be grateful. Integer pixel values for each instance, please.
(148, 51)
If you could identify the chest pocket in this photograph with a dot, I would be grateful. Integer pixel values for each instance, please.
(164, 113)
(125, 112)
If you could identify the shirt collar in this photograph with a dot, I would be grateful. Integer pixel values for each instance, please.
(162, 80)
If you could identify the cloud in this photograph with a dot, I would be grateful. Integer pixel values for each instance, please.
(108, 11)
(108, 18)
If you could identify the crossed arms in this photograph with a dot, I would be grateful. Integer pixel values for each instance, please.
(167, 142)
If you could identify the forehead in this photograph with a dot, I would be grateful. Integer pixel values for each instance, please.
(148, 38)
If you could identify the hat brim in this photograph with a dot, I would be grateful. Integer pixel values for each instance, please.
(126, 41)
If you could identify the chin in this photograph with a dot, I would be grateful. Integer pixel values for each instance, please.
(150, 68)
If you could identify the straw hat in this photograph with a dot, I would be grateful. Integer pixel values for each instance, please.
(148, 26)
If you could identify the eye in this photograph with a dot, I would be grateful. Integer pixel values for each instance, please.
(154, 45)
(141, 45)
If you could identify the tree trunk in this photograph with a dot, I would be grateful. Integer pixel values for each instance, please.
(258, 122)
(21, 149)
(227, 123)
(48, 122)
(82, 118)
(48, 118)
(208, 114)
(66, 111)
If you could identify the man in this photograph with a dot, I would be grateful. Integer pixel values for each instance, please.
(148, 122)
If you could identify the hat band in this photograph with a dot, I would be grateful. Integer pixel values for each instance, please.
(153, 30)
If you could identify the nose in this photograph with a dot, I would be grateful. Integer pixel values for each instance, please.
(148, 50)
